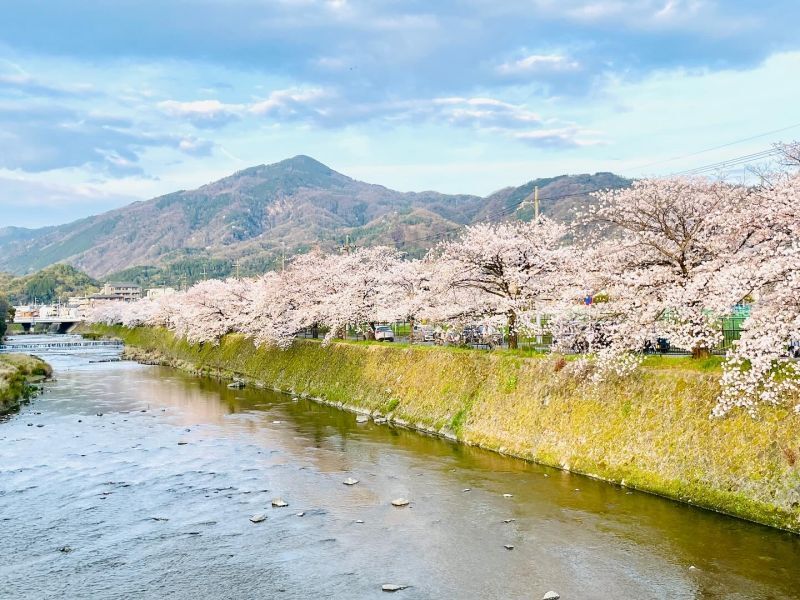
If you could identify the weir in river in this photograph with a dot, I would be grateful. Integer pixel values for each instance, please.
(42, 343)
(131, 481)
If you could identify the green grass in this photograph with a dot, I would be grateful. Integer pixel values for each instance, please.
(666, 362)
(16, 371)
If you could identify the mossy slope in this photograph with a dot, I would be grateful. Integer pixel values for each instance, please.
(16, 370)
(651, 431)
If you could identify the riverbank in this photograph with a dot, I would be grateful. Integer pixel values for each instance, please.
(17, 372)
(650, 432)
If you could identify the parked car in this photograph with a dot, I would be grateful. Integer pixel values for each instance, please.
(578, 337)
(482, 335)
(423, 333)
(450, 336)
(661, 346)
(384, 333)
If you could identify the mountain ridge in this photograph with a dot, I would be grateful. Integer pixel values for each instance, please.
(255, 215)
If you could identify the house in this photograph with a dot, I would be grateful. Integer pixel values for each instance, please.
(154, 293)
(122, 291)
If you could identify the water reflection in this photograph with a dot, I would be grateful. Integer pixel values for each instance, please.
(153, 498)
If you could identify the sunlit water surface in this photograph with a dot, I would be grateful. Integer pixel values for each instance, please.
(148, 477)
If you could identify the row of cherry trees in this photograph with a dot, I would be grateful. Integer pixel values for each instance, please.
(665, 258)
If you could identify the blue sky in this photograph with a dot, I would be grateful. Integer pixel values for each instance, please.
(103, 103)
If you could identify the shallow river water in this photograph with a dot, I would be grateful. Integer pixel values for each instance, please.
(147, 477)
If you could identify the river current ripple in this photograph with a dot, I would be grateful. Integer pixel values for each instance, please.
(130, 481)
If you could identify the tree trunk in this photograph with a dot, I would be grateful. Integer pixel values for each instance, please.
(411, 330)
(512, 330)
(701, 352)
(315, 331)
(370, 331)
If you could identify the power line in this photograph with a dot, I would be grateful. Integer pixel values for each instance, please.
(506, 211)
(704, 169)
(726, 145)
(731, 162)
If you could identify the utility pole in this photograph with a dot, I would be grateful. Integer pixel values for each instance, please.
(527, 202)
(346, 248)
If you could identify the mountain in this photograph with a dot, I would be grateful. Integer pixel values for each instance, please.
(52, 284)
(253, 216)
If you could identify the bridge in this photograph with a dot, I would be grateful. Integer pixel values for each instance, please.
(64, 322)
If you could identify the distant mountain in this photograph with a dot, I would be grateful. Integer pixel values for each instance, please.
(253, 216)
(55, 283)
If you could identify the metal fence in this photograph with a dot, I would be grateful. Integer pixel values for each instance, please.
(730, 328)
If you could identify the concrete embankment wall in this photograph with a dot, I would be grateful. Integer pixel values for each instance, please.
(651, 431)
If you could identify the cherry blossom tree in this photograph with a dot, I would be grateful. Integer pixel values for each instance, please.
(507, 270)
(406, 293)
(357, 283)
(676, 255)
(210, 309)
(669, 258)
(761, 368)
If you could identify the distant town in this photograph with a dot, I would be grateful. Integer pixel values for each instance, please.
(64, 316)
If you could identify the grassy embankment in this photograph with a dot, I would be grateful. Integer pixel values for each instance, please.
(651, 431)
(17, 372)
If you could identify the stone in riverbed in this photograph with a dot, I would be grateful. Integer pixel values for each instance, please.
(236, 385)
(392, 587)
(400, 502)
(279, 503)
(362, 419)
(551, 596)
(508, 547)
(350, 481)
(65, 549)
(258, 518)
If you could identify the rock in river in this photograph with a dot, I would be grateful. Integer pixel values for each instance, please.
(258, 518)
(350, 481)
(392, 587)
(551, 596)
(362, 419)
(236, 385)
(399, 502)
(279, 503)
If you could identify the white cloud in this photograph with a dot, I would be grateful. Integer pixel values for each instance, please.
(538, 63)
(484, 112)
(564, 137)
(295, 100)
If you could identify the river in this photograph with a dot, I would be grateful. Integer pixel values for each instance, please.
(131, 481)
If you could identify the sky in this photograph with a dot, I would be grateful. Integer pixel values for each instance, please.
(104, 103)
